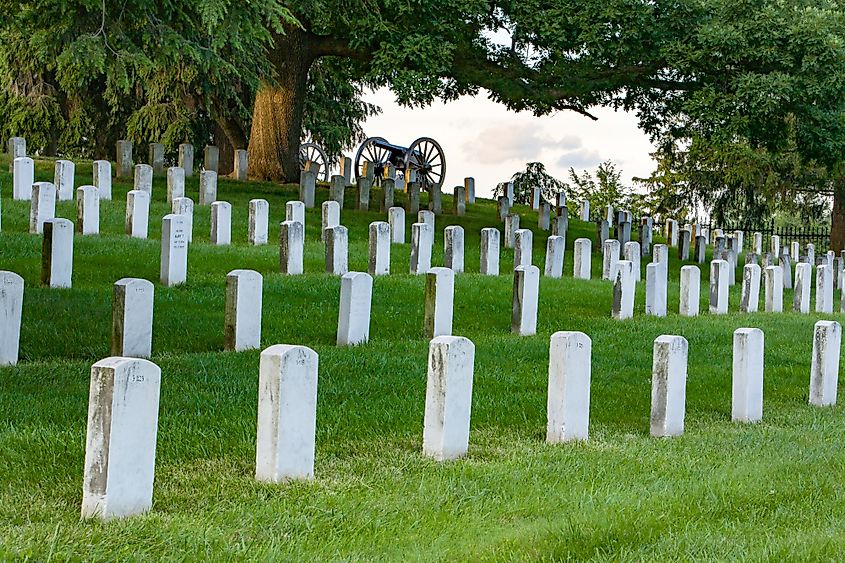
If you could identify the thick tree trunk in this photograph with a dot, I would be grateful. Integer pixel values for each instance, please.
(226, 158)
(837, 217)
(278, 111)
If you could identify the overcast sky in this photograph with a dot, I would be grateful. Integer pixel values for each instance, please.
(484, 140)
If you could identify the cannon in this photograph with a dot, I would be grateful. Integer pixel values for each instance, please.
(314, 153)
(424, 156)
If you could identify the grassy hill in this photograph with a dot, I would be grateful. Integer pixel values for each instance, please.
(721, 491)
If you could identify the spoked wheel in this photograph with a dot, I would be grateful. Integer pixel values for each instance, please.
(369, 150)
(425, 156)
(314, 153)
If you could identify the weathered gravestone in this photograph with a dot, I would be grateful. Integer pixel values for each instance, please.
(718, 287)
(435, 203)
(291, 247)
(747, 386)
(186, 161)
(42, 206)
(175, 183)
(554, 256)
(287, 414)
(469, 190)
(356, 296)
(503, 206)
(700, 249)
(184, 206)
(776, 246)
(690, 291)
(448, 390)
(345, 167)
(758, 243)
(786, 266)
(11, 307)
(458, 201)
(684, 245)
(582, 260)
(623, 290)
(379, 249)
(602, 233)
(544, 217)
(388, 191)
(511, 227)
(132, 318)
(645, 234)
(241, 171)
(427, 217)
(489, 251)
(211, 158)
(208, 187)
(774, 289)
(439, 302)
(422, 241)
(668, 385)
(102, 178)
(221, 223)
(120, 440)
(453, 248)
(522, 248)
(412, 203)
(57, 253)
(63, 178)
(143, 179)
(824, 370)
(337, 250)
(337, 189)
(174, 250)
(560, 224)
(801, 297)
(156, 157)
(307, 188)
(824, 289)
(536, 199)
(330, 216)
(568, 403)
(655, 291)
(124, 159)
(526, 295)
(242, 325)
(610, 256)
(259, 220)
(396, 218)
(750, 298)
(137, 213)
(631, 252)
(584, 210)
(88, 210)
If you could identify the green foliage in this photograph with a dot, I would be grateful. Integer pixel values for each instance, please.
(524, 182)
(601, 188)
(83, 74)
(758, 128)
(334, 109)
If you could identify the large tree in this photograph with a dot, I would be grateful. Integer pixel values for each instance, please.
(758, 121)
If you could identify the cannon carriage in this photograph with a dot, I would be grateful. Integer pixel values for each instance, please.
(424, 158)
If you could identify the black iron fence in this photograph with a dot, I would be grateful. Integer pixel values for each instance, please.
(819, 236)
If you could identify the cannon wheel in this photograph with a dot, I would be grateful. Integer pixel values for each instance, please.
(425, 155)
(369, 151)
(314, 153)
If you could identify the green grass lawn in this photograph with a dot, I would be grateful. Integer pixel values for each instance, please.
(772, 490)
